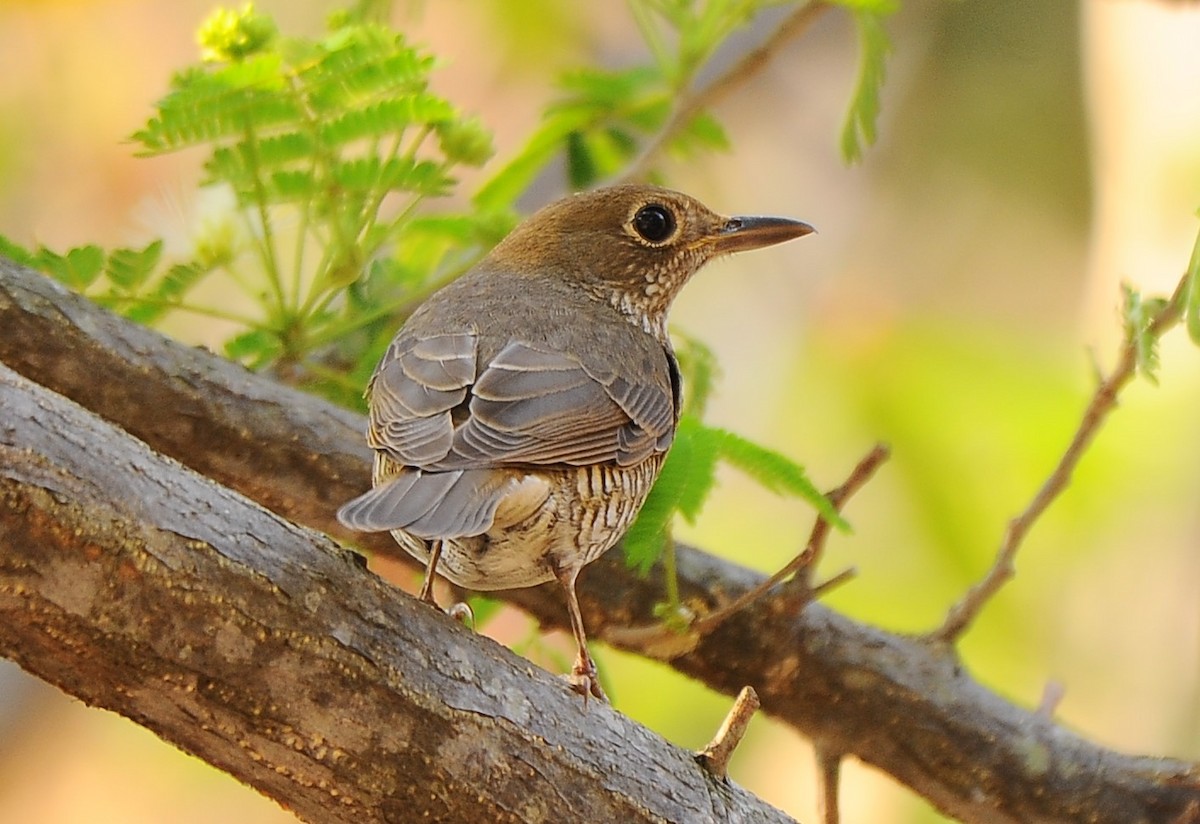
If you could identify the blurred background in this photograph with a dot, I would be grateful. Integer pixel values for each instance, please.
(956, 302)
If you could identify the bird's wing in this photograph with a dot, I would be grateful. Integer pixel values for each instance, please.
(450, 423)
(532, 406)
(435, 406)
(415, 389)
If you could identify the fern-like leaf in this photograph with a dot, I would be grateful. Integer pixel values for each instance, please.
(859, 128)
(778, 473)
(1138, 314)
(128, 269)
(16, 252)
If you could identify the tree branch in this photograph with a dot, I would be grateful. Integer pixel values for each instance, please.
(904, 705)
(266, 650)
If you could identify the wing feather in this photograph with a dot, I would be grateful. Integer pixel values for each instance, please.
(431, 505)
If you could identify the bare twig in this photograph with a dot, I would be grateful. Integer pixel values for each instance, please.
(1052, 695)
(803, 563)
(833, 582)
(715, 757)
(829, 773)
(1104, 400)
(691, 105)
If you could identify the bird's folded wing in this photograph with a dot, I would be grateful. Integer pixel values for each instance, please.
(531, 406)
(526, 406)
(418, 383)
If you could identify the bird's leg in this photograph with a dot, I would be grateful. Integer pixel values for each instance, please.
(426, 593)
(460, 611)
(583, 678)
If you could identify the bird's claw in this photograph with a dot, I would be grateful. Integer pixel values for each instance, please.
(584, 681)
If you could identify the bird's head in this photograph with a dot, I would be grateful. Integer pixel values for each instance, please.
(634, 246)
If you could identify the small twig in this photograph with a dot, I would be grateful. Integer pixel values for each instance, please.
(845, 576)
(1104, 400)
(829, 772)
(691, 105)
(715, 757)
(804, 562)
(1052, 696)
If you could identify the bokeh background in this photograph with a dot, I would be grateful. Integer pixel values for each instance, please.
(963, 287)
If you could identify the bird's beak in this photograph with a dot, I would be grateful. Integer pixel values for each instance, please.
(740, 234)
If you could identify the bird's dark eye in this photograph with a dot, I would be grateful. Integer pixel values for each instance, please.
(655, 223)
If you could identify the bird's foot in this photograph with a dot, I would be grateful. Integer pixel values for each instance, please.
(426, 593)
(584, 680)
(460, 611)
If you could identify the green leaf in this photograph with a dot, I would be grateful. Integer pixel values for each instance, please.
(385, 117)
(701, 447)
(170, 288)
(581, 168)
(465, 140)
(78, 268)
(130, 268)
(689, 476)
(1138, 314)
(698, 363)
(706, 132)
(285, 148)
(514, 177)
(683, 485)
(644, 541)
(859, 128)
(257, 345)
(17, 253)
(1192, 305)
(777, 473)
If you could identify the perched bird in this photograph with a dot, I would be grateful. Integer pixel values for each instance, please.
(521, 414)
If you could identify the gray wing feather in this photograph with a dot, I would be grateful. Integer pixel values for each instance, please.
(539, 407)
(418, 383)
(430, 505)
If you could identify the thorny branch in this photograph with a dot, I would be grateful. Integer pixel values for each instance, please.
(1104, 400)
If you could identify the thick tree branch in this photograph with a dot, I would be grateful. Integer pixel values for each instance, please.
(260, 646)
(899, 703)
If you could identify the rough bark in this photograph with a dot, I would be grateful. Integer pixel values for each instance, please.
(263, 648)
(900, 703)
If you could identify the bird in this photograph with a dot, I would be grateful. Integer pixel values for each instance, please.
(522, 412)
